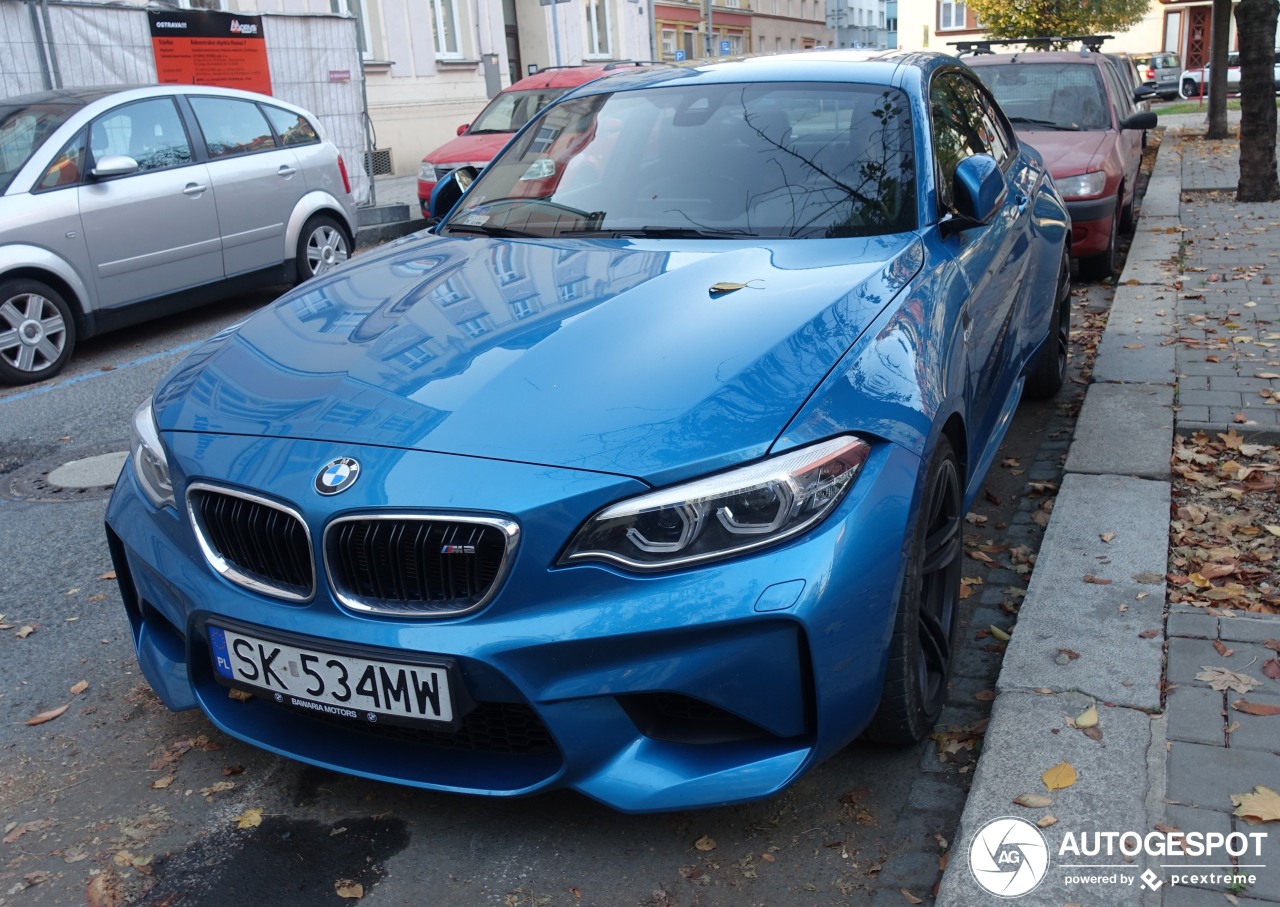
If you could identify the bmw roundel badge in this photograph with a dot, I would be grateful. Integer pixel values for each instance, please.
(337, 475)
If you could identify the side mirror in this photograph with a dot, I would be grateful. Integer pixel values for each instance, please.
(979, 189)
(448, 190)
(1144, 92)
(114, 165)
(1145, 120)
(463, 128)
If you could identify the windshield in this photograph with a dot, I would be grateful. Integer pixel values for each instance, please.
(23, 130)
(773, 160)
(512, 109)
(1068, 96)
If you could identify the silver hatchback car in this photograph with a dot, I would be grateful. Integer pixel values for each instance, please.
(122, 204)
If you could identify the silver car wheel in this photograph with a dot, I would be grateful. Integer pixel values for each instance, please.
(326, 249)
(33, 332)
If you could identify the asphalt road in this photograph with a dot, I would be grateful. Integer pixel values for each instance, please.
(118, 801)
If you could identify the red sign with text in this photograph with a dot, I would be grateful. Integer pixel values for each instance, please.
(203, 47)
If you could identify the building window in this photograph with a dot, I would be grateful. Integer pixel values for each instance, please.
(476, 327)
(597, 31)
(444, 28)
(520, 308)
(951, 15)
(735, 44)
(668, 42)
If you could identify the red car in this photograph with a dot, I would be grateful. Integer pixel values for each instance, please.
(1078, 113)
(479, 141)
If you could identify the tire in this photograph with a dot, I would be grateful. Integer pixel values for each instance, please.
(1103, 265)
(1190, 88)
(1050, 371)
(1128, 221)
(322, 246)
(924, 630)
(37, 331)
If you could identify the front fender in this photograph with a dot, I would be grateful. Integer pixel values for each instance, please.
(41, 264)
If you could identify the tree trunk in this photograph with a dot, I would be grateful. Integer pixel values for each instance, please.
(1255, 23)
(1219, 41)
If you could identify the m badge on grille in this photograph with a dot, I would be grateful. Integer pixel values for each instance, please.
(337, 475)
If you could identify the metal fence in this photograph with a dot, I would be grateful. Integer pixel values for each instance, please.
(61, 44)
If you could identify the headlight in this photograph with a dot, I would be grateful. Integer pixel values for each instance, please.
(1082, 186)
(427, 172)
(149, 463)
(725, 514)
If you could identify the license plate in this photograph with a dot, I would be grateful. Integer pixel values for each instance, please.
(327, 683)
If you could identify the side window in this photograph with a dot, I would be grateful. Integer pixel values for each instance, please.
(232, 126)
(294, 128)
(66, 168)
(988, 122)
(957, 129)
(150, 132)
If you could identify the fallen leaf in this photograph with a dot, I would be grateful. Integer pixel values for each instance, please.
(20, 830)
(1033, 801)
(1087, 718)
(1096, 580)
(54, 713)
(26, 631)
(1262, 804)
(1271, 668)
(348, 889)
(911, 898)
(1223, 650)
(1272, 644)
(1224, 679)
(1093, 733)
(1046, 821)
(985, 695)
(110, 574)
(705, 844)
(999, 634)
(251, 818)
(239, 695)
(1071, 654)
(79, 687)
(1150, 634)
(1060, 776)
(1255, 708)
(1108, 537)
(105, 889)
(217, 787)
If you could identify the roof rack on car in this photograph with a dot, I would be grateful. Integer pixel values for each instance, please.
(1089, 42)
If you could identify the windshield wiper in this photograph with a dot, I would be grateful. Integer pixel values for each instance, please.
(662, 233)
(487, 230)
(1048, 124)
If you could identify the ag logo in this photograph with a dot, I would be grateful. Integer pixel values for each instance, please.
(337, 475)
(1008, 857)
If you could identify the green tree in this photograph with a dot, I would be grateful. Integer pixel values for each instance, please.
(1051, 18)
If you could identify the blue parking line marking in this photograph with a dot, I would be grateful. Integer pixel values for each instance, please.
(176, 351)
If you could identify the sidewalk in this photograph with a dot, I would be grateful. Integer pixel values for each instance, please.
(1187, 348)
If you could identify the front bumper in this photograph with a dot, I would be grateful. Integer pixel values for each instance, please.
(695, 688)
(1091, 225)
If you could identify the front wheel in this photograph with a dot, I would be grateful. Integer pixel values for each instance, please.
(1050, 371)
(322, 246)
(37, 331)
(1190, 88)
(920, 651)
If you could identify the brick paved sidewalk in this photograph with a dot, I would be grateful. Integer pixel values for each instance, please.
(1227, 317)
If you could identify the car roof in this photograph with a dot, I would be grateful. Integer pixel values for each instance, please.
(889, 68)
(570, 76)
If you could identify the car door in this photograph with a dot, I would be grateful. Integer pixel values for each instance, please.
(153, 231)
(994, 258)
(256, 181)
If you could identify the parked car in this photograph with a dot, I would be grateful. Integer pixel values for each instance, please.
(643, 473)
(1194, 83)
(1161, 71)
(482, 138)
(119, 204)
(1075, 109)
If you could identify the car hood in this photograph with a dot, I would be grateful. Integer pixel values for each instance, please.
(470, 149)
(615, 356)
(1070, 153)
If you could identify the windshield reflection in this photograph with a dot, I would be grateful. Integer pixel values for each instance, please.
(715, 161)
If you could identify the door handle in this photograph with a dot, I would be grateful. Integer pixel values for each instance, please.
(194, 189)
(1021, 200)
(286, 170)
